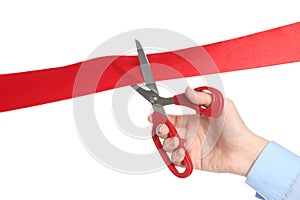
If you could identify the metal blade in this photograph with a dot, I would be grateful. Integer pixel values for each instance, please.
(156, 101)
(144, 93)
(160, 109)
(145, 67)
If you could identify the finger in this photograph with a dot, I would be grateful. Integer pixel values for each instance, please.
(150, 118)
(179, 120)
(162, 131)
(198, 98)
(170, 144)
(178, 156)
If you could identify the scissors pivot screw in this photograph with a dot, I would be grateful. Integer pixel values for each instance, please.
(153, 98)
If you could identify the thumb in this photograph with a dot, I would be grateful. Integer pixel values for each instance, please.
(198, 98)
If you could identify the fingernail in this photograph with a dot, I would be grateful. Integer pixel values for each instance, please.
(150, 118)
(190, 92)
(175, 142)
(180, 152)
(158, 129)
(177, 155)
(189, 89)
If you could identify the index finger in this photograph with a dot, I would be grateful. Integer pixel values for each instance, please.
(179, 121)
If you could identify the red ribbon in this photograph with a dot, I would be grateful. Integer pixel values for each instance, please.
(272, 47)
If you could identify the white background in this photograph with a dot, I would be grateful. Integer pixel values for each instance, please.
(41, 156)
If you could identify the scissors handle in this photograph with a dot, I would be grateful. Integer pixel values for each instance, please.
(158, 119)
(213, 110)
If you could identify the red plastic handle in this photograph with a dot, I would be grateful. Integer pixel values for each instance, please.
(158, 119)
(213, 110)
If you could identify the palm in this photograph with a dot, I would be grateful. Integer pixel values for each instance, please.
(223, 138)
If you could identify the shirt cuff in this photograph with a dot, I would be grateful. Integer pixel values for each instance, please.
(274, 172)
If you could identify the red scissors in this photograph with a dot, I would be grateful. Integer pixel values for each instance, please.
(160, 117)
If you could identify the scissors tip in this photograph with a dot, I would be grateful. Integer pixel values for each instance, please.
(138, 44)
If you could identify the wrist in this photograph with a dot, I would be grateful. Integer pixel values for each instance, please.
(253, 147)
(247, 154)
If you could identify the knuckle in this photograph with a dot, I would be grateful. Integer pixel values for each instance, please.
(229, 102)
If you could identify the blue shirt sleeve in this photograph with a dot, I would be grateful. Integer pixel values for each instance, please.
(275, 174)
(294, 192)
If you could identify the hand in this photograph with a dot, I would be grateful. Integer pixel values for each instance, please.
(236, 149)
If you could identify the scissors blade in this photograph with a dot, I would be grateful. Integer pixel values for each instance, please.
(145, 67)
(148, 95)
(160, 109)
